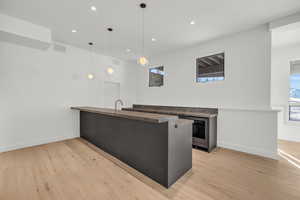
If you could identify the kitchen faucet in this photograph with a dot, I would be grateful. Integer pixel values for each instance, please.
(116, 104)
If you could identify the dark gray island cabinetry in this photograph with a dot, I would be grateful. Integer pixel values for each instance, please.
(204, 121)
(157, 145)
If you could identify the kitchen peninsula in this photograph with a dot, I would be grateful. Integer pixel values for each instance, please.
(157, 145)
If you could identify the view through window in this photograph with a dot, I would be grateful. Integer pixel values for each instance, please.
(156, 76)
(210, 68)
(294, 96)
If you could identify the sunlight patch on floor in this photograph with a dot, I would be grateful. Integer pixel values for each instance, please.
(291, 159)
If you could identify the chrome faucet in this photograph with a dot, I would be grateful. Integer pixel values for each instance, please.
(116, 104)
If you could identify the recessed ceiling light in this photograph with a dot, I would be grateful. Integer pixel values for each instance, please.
(93, 8)
(153, 39)
(128, 50)
(74, 31)
(192, 22)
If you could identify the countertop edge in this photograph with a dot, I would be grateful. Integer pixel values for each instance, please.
(196, 114)
(111, 112)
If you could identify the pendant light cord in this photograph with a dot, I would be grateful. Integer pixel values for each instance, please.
(91, 54)
(110, 41)
(110, 30)
(143, 32)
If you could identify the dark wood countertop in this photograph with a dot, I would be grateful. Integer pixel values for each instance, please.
(142, 116)
(172, 112)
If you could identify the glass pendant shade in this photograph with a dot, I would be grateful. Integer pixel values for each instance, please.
(143, 61)
(110, 70)
(90, 76)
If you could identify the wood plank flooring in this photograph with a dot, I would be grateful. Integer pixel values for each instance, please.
(76, 170)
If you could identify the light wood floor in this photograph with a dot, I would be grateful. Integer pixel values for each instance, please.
(75, 170)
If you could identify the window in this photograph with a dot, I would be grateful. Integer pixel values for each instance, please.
(210, 68)
(156, 76)
(294, 93)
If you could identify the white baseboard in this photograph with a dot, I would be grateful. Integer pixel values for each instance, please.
(35, 143)
(235, 147)
(250, 150)
(290, 138)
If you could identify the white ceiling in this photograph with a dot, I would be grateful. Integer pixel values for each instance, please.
(166, 20)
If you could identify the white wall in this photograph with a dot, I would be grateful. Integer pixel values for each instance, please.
(37, 88)
(247, 74)
(281, 57)
(288, 130)
(246, 87)
(251, 131)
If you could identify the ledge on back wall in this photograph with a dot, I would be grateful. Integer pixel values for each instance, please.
(17, 31)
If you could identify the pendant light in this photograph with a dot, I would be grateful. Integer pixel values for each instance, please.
(110, 70)
(143, 60)
(91, 75)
